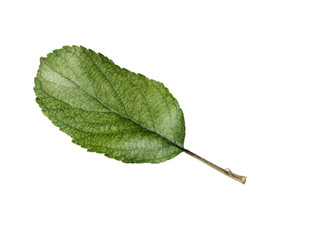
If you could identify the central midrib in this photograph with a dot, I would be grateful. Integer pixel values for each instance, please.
(112, 110)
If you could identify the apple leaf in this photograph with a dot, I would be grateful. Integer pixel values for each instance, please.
(111, 110)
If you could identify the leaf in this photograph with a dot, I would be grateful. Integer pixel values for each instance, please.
(108, 109)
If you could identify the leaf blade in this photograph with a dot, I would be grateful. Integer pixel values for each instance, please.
(139, 119)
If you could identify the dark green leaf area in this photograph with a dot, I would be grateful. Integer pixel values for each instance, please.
(108, 109)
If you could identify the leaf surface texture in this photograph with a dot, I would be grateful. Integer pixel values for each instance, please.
(108, 109)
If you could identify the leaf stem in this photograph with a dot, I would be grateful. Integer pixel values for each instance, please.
(226, 171)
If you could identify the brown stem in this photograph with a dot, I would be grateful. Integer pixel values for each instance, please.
(226, 171)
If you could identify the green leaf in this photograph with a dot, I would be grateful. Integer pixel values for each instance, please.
(108, 109)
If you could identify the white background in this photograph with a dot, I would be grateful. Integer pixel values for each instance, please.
(246, 74)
